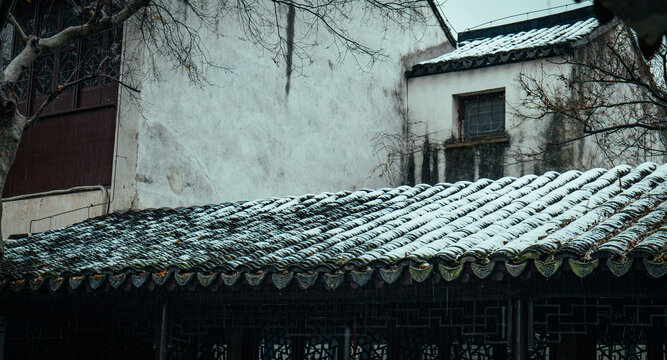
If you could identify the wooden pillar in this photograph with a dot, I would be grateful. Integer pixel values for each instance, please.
(346, 343)
(243, 344)
(394, 343)
(520, 348)
(574, 347)
(586, 346)
(298, 347)
(163, 340)
(499, 352)
(445, 345)
(654, 342)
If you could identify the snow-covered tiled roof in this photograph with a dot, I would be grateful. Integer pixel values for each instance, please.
(509, 47)
(535, 38)
(599, 216)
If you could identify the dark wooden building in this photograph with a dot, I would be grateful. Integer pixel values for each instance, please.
(557, 266)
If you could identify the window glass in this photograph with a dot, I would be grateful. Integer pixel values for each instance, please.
(483, 114)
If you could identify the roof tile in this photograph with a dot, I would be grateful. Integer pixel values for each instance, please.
(575, 215)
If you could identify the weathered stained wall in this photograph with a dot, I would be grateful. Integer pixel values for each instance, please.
(432, 113)
(263, 130)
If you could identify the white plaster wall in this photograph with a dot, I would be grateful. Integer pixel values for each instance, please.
(432, 110)
(246, 138)
(50, 212)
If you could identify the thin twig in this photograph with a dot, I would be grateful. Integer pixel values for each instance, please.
(125, 85)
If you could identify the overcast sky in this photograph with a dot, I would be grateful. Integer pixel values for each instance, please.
(464, 14)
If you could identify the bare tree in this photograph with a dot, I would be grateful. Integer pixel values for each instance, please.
(171, 29)
(609, 93)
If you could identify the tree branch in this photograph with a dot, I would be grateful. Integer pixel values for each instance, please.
(17, 27)
(54, 95)
(35, 46)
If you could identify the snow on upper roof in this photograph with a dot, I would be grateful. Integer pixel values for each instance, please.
(535, 38)
(614, 215)
(525, 40)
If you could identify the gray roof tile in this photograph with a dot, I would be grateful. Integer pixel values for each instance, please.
(576, 215)
(547, 40)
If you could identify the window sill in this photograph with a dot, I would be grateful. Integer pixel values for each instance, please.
(479, 140)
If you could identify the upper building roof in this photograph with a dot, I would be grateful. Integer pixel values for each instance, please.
(547, 36)
(617, 215)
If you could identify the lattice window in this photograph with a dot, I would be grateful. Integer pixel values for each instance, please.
(370, 347)
(320, 348)
(483, 114)
(275, 345)
(43, 75)
(54, 154)
(621, 344)
(219, 352)
(540, 348)
(466, 348)
(419, 345)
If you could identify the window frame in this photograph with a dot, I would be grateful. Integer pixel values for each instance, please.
(481, 96)
(73, 143)
(84, 96)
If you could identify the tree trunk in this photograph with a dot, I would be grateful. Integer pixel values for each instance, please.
(12, 124)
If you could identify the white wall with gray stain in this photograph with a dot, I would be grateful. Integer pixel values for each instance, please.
(246, 137)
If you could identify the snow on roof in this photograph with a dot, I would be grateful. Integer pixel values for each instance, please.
(527, 40)
(616, 215)
(531, 39)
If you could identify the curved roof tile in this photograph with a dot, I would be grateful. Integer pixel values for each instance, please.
(615, 214)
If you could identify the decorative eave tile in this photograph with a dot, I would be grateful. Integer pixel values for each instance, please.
(206, 278)
(182, 278)
(36, 283)
(549, 267)
(421, 272)
(583, 268)
(230, 279)
(333, 281)
(307, 279)
(361, 277)
(255, 278)
(655, 269)
(117, 280)
(619, 268)
(139, 279)
(56, 282)
(160, 277)
(391, 274)
(515, 269)
(282, 279)
(76, 281)
(17, 285)
(96, 280)
(482, 270)
(450, 273)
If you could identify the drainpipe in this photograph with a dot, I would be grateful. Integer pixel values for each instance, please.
(60, 192)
